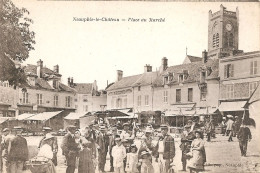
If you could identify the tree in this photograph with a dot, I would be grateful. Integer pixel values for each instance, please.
(16, 38)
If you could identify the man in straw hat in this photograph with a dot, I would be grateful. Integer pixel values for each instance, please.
(51, 141)
(166, 149)
(70, 149)
(118, 154)
(17, 151)
(126, 133)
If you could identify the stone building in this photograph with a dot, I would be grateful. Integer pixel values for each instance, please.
(88, 98)
(44, 91)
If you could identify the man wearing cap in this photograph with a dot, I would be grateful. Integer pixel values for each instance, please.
(17, 152)
(112, 143)
(237, 125)
(51, 141)
(126, 133)
(102, 148)
(229, 129)
(70, 149)
(244, 136)
(166, 150)
(186, 140)
(4, 148)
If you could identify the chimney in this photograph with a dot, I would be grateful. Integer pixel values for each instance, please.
(164, 64)
(56, 68)
(119, 75)
(69, 82)
(147, 68)
(39, 68)
(204, 56)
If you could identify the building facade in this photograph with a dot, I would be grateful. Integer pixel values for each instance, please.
(88, 98)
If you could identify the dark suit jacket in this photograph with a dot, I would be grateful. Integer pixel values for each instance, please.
(169, 147)
(244, 134)
(101, 143)
(69, 145)
(18, 149)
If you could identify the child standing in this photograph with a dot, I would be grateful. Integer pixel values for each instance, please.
(86, 157)
(118, 154)
(146, 164)
(132, 160)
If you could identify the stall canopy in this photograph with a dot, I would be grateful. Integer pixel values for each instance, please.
(74, 116)
(4, 119)
(44, 116)
(24, 116)
(206, 111)
(232, 106)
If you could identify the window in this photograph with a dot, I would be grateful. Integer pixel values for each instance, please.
(85, 99)
(165, 80)
(214, 41)
(139, 101)
(85, 108)
(146, 100)
(230, 91)
(39, 99)
(190, 94)
(56, 100)
(75, 100)
(165, 96)
(181, 78)
(217, 40)
(55, 84)
(203, 93)
(253, 67)
(68, 101)
(178, 95)
(252, 87)
(25, 97)
(202, 77)
(139, 88)
(125, 102)
(230, 40)
(228, 71)
(119, 103)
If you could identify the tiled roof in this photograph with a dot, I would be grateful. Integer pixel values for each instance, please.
(137, 80)
(83, 88)
(146, 79)
(193, 71)
(63, 87)
(194, 58)
(125, 82)
(42, 83)
(45, 71)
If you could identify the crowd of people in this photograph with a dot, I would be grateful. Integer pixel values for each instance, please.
(87, 149)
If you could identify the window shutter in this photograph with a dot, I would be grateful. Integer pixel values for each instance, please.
(255, 67)
(232, 70)
(251, 67)
(225, 71)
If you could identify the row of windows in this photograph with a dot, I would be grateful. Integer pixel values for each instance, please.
(230, 91)
(119, 102)
(229, 69)
(85, 108)
(25, 100)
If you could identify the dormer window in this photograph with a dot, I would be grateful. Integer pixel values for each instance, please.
(203, 77)
(165, 80)
(181, 78)
(55, 84)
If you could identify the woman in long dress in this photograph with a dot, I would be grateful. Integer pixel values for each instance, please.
(196, 163)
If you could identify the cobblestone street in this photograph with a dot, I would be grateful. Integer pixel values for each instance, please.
(222, 156)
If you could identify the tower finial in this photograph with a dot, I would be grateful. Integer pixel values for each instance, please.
(186, 51)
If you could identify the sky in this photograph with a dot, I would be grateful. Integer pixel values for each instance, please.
(94, 50)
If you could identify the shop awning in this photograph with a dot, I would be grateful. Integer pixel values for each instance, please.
(74, 116)
(206, 111)
(180, 113)
(232, 106)
(24, 116)
(4, 119)
(44, 116)
(178, 107)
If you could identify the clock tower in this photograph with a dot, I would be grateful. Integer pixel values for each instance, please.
(222, 33)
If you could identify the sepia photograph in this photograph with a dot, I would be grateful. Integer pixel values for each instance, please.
(129, 87)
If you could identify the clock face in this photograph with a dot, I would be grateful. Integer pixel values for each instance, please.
(229, 27)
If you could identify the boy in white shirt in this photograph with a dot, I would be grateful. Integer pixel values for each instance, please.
(118, 154)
